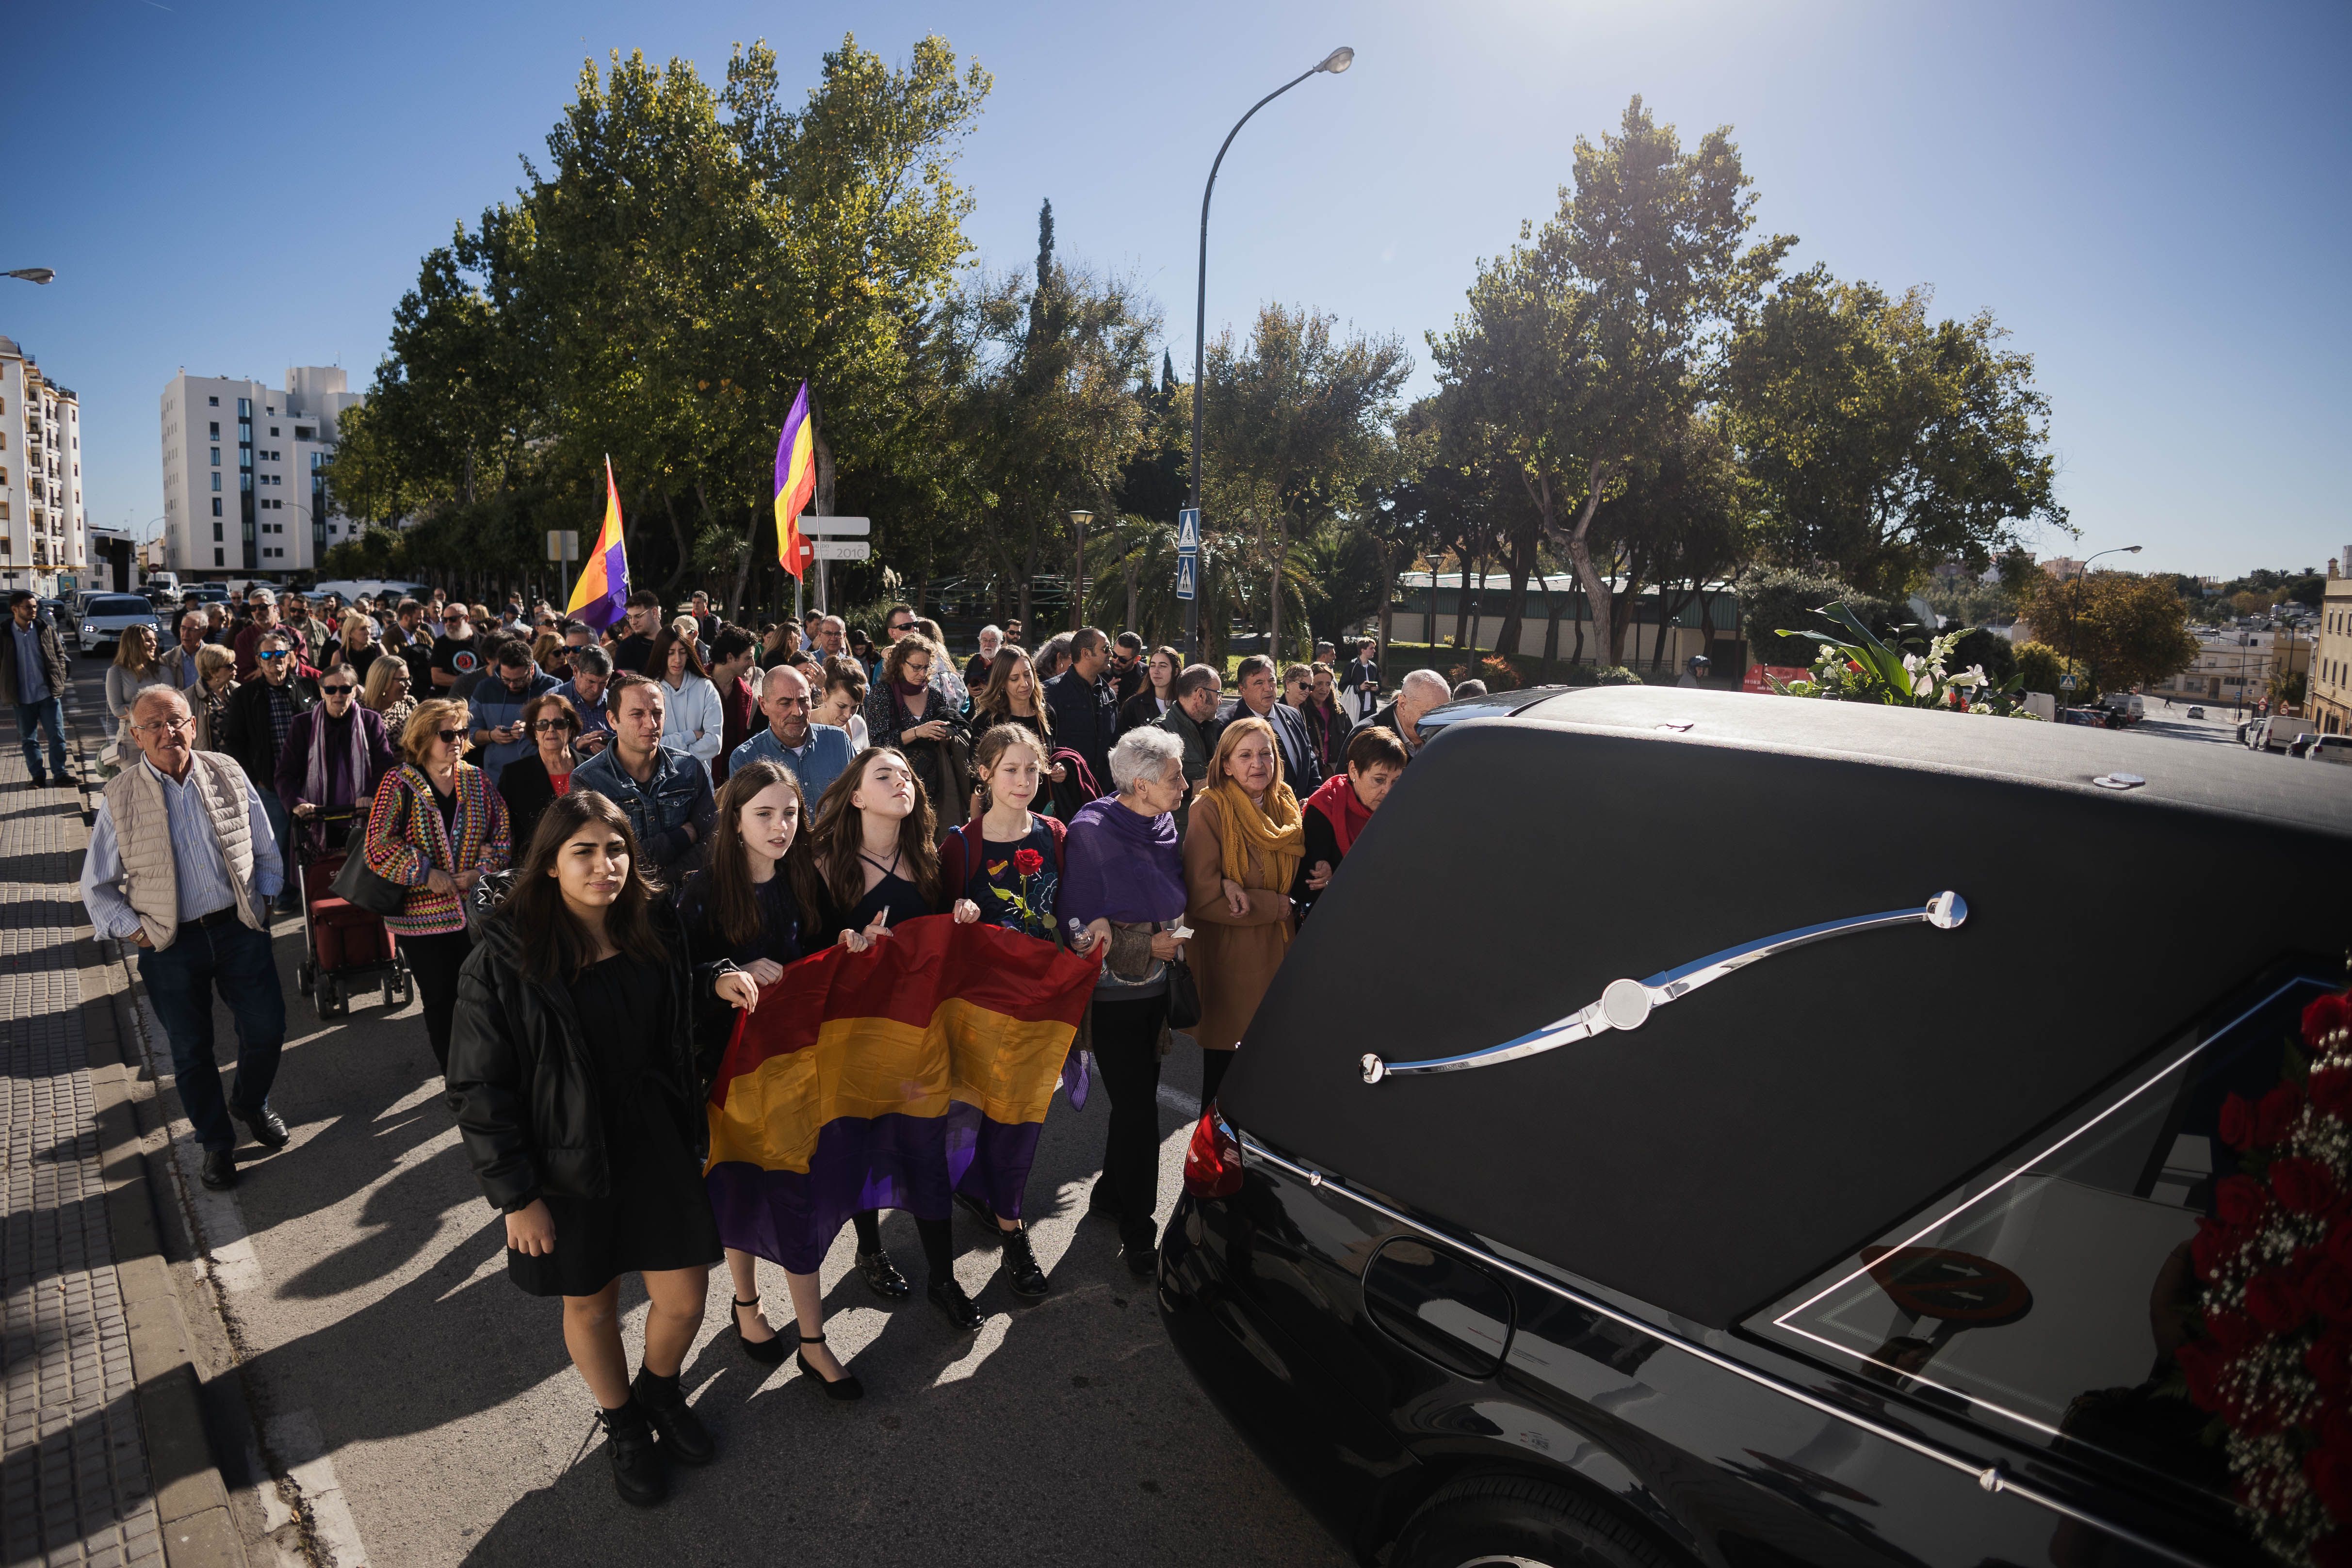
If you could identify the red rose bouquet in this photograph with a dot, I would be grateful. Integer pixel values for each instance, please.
(2275, 1363)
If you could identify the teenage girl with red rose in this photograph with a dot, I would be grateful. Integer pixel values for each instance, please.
(1008, 861)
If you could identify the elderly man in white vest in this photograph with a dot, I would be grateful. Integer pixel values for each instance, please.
(182, 863)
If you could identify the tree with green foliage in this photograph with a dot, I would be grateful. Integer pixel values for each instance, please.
(1881, 441)
(1591, 344)
(2125, 629)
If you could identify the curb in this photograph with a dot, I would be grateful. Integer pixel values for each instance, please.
(191, 1504)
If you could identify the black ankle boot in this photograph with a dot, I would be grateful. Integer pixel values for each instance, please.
(1019, 1265)
(949, 1297)
(769, 1351)
(639, 1472)
(882, 1276)
(683, 1436)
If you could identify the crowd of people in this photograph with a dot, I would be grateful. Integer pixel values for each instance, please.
(597, 848)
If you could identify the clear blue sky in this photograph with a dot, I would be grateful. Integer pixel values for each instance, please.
(2152, 197)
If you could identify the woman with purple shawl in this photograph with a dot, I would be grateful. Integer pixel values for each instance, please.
(1123, 882)
(334, 754)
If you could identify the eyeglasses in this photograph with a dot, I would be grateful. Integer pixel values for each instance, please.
(450, 737)
(336, 691)
(167, 725)
(901, 626)
(271, 653)
(544, 724)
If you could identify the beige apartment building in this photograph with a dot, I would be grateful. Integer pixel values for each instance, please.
(2328, 699)
(44, 545)
(2234, 664)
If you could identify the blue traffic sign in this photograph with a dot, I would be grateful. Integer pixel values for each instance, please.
(1185, 581)
(1187, 531)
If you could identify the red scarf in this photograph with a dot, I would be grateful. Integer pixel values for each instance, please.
(1335, 799)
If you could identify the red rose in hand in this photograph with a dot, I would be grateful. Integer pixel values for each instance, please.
(2272, 1302)
(2303, 1186)
(1028, 863)
(2329, 1470)
(2332, 1091)
(2327, 1287)
(2213, 1246)
(2240, 1200)
(2238, 1122)
(2274, 1115)
(2232, 1330)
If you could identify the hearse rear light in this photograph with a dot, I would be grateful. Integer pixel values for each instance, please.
(1212, 1163)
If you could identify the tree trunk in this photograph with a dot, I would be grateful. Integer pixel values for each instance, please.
(1388, 594)
(741, 586)
(1429, 606)
(1128, 567)
(1578, 547)
(1462, 603)
(1028, 578)
(1274, 601)
(1523, 554)
(1552, 631)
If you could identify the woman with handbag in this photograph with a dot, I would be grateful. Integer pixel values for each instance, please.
(1242, 850)
(1123, 882)
(436, 826)
(912, 716)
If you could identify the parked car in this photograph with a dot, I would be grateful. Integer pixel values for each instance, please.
(105, 617)
(2329, 748)
(2129, 707)
(205, 593)
(2197, 712)
(1807, 1248)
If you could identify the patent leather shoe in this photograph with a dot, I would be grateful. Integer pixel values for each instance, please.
(219, 1169)
(769, 1351)
(640, 1472)
(1022, 1277)
(962, 1315)
(268, 1128)
(882, 1276)
(683, 1438)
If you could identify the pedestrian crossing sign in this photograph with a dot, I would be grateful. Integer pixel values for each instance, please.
(1187, 530)
(1185, 579)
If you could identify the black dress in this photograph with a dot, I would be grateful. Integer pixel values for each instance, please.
(902, 898)
(656, 1215)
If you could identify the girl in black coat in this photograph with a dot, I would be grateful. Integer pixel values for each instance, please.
(754, 900)
(572, 1071)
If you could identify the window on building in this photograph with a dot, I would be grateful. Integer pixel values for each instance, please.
(214, 403)
(216, 533)
(216, 457)
(216, 430)
(305, 433)
(217, 555)
(273, 429)
(217, 488)
(216, 511)
(244, 408)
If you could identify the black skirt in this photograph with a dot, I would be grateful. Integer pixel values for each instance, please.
(656, 1215)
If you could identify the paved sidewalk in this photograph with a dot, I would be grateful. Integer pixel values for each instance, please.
(103, 1460)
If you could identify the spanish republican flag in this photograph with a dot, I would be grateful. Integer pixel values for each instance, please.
(601, 596)
(795, 480)
(887, 1079)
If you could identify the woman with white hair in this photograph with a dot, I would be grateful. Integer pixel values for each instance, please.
(1123, 882)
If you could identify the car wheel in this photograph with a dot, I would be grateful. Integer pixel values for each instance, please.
(1517, 1520)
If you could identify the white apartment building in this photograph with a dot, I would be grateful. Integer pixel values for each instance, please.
(44, 544)
(2234, 664)
(244, 491)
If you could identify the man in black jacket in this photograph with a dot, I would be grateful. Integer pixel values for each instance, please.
(1085, 714)
(1254, 680)
(1421, 691)
(254, 728)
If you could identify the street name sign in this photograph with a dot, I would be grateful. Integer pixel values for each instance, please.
(1188, 529)
(1185, 579)
(844, 549)
(854, 527)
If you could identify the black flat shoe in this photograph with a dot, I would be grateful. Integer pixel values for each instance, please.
(1019, 1263)
(1143, 1249)
(769, 1351)
(219, 1169)
(962, 1315)
(840, 1389)
(882, 1276)
(269, 1129)
(640, 1473)
(978, 1211)
(683, 1438)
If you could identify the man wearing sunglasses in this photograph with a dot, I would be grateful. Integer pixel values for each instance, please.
(183, 864)
(334, 754)
(256, 724)
(262, 606)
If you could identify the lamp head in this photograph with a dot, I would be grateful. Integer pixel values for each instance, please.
(1338, 60)
(1082, 519)
(43, 274)
(2133, 549)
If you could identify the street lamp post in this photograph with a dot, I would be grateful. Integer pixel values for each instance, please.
(1079, 521)
(1337, 61)
(2074, 600)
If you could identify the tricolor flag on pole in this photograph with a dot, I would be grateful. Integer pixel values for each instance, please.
(601, 596)
(795, 480)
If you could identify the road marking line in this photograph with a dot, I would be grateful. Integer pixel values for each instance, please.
(214, 1217)
(295, 1441)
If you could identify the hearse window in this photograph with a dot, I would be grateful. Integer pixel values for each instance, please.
(2051, 1295)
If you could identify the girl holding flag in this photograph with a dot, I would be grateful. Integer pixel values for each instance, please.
(878, 866)
(750, 903)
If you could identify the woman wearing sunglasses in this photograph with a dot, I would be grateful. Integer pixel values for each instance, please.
(542, 776)
(334, 756)
(436, 828)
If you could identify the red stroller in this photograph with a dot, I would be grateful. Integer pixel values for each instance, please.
(344, 947)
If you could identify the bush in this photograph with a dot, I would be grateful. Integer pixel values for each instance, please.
(1996, 653)
(1776, 598)
(2041, 665)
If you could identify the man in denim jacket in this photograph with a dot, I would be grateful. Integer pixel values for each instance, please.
(665, 792)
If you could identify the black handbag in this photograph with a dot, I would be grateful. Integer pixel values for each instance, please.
(357, 885)
(1183, 996)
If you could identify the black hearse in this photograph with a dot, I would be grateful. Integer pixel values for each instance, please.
(1708, 1128)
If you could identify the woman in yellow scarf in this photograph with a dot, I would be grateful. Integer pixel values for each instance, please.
(1241, 851)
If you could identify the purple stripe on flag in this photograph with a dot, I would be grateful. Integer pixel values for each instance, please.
(784, 439)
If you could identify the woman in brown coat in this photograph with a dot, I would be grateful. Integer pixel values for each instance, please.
(1241, 851)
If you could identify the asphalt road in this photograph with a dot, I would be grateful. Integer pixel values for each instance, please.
(431, 1416)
